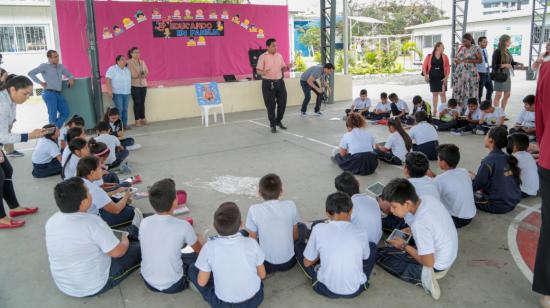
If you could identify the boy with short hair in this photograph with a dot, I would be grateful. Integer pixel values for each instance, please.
(448, 115)
(162, 236)
(235, 261)
(525, 122)
(469, 123)
(519, 143)
(86, 258)
(117, 152)
(424, 136)
(340, 248)
(365, 216)
(398, 106)
(361, 104)
(275, 224)
(416, 170)
(434, 233)
(382, 109)
(455, 186)
(490, 116)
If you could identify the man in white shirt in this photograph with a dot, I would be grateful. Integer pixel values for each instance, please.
(340, 247)
(86, 258)
(434, 234)
(164, 267)
(455, 186)
(366, 216)
(525, 122)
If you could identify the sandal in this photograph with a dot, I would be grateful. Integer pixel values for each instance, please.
(26, 211)
(13, 224)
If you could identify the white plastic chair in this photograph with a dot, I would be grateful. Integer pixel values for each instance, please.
(205, 110)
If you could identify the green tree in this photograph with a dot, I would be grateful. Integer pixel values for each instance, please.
(397, 14)
(312, 38)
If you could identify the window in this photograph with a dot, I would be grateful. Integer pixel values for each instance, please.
(428, 41)
(23, 38)
(478, 34)
(537, 34)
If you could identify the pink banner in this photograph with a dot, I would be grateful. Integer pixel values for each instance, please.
(178, 41)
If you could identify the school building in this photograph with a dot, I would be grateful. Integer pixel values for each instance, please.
(517, 24)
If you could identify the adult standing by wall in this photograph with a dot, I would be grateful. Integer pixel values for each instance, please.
(16, 90)
(52, 74)
(119, 84)
(484, 71)
(504, 63)
(139, 72)
(436, 70)
(308, 81)
(541, 277)
(465, 76)
(271, 66)
(9, 148)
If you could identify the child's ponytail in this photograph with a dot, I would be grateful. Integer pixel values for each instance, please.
(514, 168)
(406, 138)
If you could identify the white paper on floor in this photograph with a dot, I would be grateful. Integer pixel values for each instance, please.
(230, 185)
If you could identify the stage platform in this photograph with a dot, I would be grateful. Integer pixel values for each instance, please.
(179, 101)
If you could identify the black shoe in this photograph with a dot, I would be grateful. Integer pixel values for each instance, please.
(280, 124)
(273, 129)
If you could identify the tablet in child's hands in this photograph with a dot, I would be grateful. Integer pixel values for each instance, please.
(120, 195)
(120, 234)
(376, 189)
(396, 233)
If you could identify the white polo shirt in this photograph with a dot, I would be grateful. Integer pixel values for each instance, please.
(383, 107)
(341, 248)
(397, 145)
(366, 216)
(434, 232)
(77, 246)
(359, 140)
(121, 79)
(423, 132)
(99, 197)
(402, 105)
(457, 194)
(161, 238)
(358, 103)
(70, 167)
(529, 174)
(112, 143)
(493, 117)
(476, 115)
(425, 186)
(233, 260)
(45, 151)
(526, 119)
(274, 221)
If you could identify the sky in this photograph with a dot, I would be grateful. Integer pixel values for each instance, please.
(303, 5)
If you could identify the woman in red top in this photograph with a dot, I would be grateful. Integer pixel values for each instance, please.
(541, 278)
(436, 70)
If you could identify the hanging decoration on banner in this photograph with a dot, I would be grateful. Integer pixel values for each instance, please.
(202, 41)
(187, 28)
(213, 15)
(176, 15)
(188, 15)
(260, 34)
(117, 30)
(253, 28)
(199, 14)
(140, 16)
(107, 33)
(225, 14)
(128, 23)
(156, 14)
(236, 19)
(191, 42)
(245, 24)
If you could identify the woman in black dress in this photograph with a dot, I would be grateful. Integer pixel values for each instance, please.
(436, 71)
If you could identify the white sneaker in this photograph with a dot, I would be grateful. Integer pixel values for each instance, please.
(480, 132)
(134, 147)
(429, 283)
(138, 217)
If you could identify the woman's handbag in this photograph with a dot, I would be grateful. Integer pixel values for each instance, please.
(499, 76)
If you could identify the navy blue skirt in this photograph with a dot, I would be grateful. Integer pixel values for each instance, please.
(359, 163)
